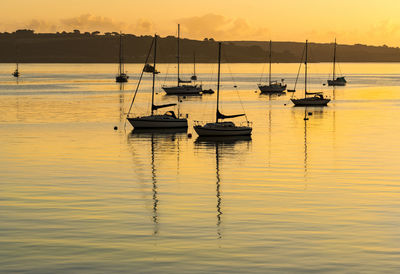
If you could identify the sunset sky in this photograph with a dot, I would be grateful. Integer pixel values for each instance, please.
(373, 22)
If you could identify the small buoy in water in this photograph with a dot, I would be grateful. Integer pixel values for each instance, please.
(184, 97)
(115, 128)
(180, 101)
(255, 91)
(235, 86)
(190, 135)
(310, 113)
(305, 118)
(284, 104)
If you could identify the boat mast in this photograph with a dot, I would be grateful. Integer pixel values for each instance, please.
(270, 60)
(219, 72)
(154, 73)
(194, 63)
(305, 74)
(334, 61)
(17, 50)
(177, 57)
(121, 69)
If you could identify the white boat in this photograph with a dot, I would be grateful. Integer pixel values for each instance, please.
(339, 81)
(154, 121)
(310, 98)
(121, 77)
(166, 120)
(222, 128)
(183, 90)
(272, 86)
(316, 100)
(183, 87)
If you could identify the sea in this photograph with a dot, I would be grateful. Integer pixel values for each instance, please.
(80, 192)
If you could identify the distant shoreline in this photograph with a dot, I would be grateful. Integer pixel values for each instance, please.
(25, 46)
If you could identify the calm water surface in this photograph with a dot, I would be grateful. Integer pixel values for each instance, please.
(300, 196)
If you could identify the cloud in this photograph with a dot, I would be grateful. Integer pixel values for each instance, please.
(90, 22)
(143, 25)
(42, 25)
(220, 27)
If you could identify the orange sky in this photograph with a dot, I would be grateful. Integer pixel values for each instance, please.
(373, 22)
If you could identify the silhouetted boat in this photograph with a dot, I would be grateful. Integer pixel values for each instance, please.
(317, 98)
(222, 128)
(208, 91)
(122, 77)
(16, 73)
(166, 120)
(273, 86)
(183, 89)
(339, 81)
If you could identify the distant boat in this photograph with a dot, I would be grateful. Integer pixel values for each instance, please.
(16, 73)
(222, 128)
(122, 77)
(317, 98)
(166, 120)
(273, 86)
(339, 81)
(183, 89)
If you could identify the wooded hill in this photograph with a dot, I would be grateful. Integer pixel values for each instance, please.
(25, 46)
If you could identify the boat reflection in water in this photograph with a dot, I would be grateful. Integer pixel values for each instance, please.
(154, 136)
(220, 143)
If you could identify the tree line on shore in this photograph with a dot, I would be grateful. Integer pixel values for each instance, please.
(26, 46)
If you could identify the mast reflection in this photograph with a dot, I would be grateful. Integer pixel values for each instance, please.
(305, 142)
(220, 143)
(155, 136)
(121, 101)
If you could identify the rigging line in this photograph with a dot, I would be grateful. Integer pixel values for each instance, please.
(298, 71)
(235, 86)
(166, 74)
(264, 66)
(340, 71)
(140, 78)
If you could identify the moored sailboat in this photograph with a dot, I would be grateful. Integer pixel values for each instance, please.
(183, 87)
(272, 86)
(166, 120)
(122, 77)
(16, 73)
(310, 98)
(339, 81)
(222, 128)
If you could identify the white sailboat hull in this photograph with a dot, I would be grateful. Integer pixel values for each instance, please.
(157, 121)
(313, 101)
(273, 88)
(222, 131)
(336, 83)
(183, 90)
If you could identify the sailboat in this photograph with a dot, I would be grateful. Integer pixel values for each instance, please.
(339, 81)
(16, 73)
(187, 87)
(222, 128)
(166, 120)
(121, 77)
(310, 98)
(273, 86)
